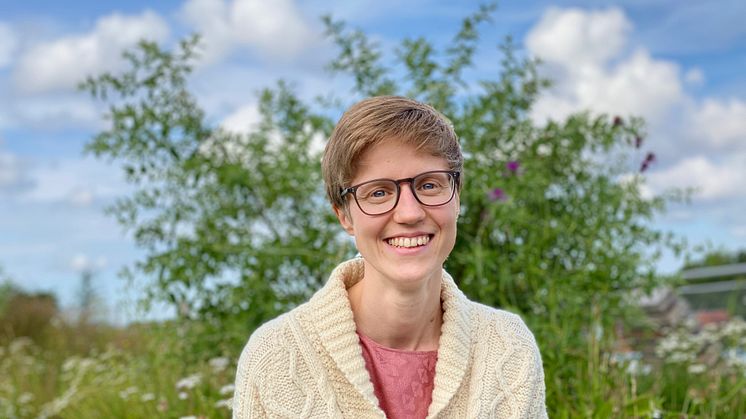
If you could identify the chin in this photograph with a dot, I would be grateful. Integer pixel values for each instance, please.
(414, 274)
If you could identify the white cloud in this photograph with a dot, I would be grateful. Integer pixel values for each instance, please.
(210, 19)
(77, 182)
(53, 111)
(274, 29)
(246, 118)
(81, 197)
(720, 125)
(13, 172)
(8, 44)
(577, 39)
(243, 119)
(584, 55)
(63, 63)
(82, 263)
(714, 180)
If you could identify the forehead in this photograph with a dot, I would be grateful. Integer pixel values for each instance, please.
(395, 159)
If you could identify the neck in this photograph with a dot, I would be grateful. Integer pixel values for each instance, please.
(408, 319)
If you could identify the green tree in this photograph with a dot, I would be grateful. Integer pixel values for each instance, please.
(236, 228)
(7, 289)
(717, 257)
(23, 313)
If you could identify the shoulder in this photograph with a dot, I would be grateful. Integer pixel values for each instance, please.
(274, 375)
(509, 326)
(511, 360)
(504, 335)
(268, 349)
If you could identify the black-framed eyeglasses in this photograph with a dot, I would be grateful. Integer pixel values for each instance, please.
(379, 196)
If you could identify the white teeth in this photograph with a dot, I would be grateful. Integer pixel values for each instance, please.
(409, 241)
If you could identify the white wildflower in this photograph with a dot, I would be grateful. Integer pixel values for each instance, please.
(86, 363)
(696, 369)
(183, 395)
(126, 393)
(25, 398)
(646, 369)
(188, 417)
(227, 389)
(676, 357)
(735, 327)
(735, 358)
(70, 364)
(219, 364)
(189, 382)
(18, 344)
(227, 403)
(543, 150)
(147, 397)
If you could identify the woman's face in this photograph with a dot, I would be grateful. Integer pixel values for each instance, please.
(379, 238)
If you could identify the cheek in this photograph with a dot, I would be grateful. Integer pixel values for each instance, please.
(448, 218)
(450, 226)
(365, 227)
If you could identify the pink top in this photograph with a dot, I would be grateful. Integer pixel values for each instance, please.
(402, 380)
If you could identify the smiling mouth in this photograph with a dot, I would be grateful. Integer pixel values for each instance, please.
(409, 241)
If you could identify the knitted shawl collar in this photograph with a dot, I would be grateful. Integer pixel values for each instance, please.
(330, 313)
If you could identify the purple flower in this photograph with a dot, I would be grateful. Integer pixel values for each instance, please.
(617, 121)
(513, 166)
(649, 159)
(498, 194)
(638, 141)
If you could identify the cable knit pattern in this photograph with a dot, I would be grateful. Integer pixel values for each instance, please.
(308, 363)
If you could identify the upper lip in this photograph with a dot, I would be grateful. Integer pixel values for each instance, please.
(415, 234)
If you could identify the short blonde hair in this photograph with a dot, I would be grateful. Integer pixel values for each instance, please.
(379, 118)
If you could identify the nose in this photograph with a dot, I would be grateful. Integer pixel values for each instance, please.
(408, 210)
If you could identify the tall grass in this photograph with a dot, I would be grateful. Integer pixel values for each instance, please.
(165, 370)
(97, 372)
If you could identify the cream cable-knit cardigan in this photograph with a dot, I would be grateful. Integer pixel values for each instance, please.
(308, 363)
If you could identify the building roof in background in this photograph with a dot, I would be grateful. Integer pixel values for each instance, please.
(714, 271)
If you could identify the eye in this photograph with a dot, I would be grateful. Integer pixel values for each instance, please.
(429, 184)
(378, 191)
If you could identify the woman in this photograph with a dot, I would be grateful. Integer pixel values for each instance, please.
(390, 334)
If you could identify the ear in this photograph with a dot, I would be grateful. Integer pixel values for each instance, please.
(343, 215)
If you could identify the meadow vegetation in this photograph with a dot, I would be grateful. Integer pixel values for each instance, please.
(69, 369)
(555, 227)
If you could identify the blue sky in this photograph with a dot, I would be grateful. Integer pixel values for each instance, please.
(679, 64)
